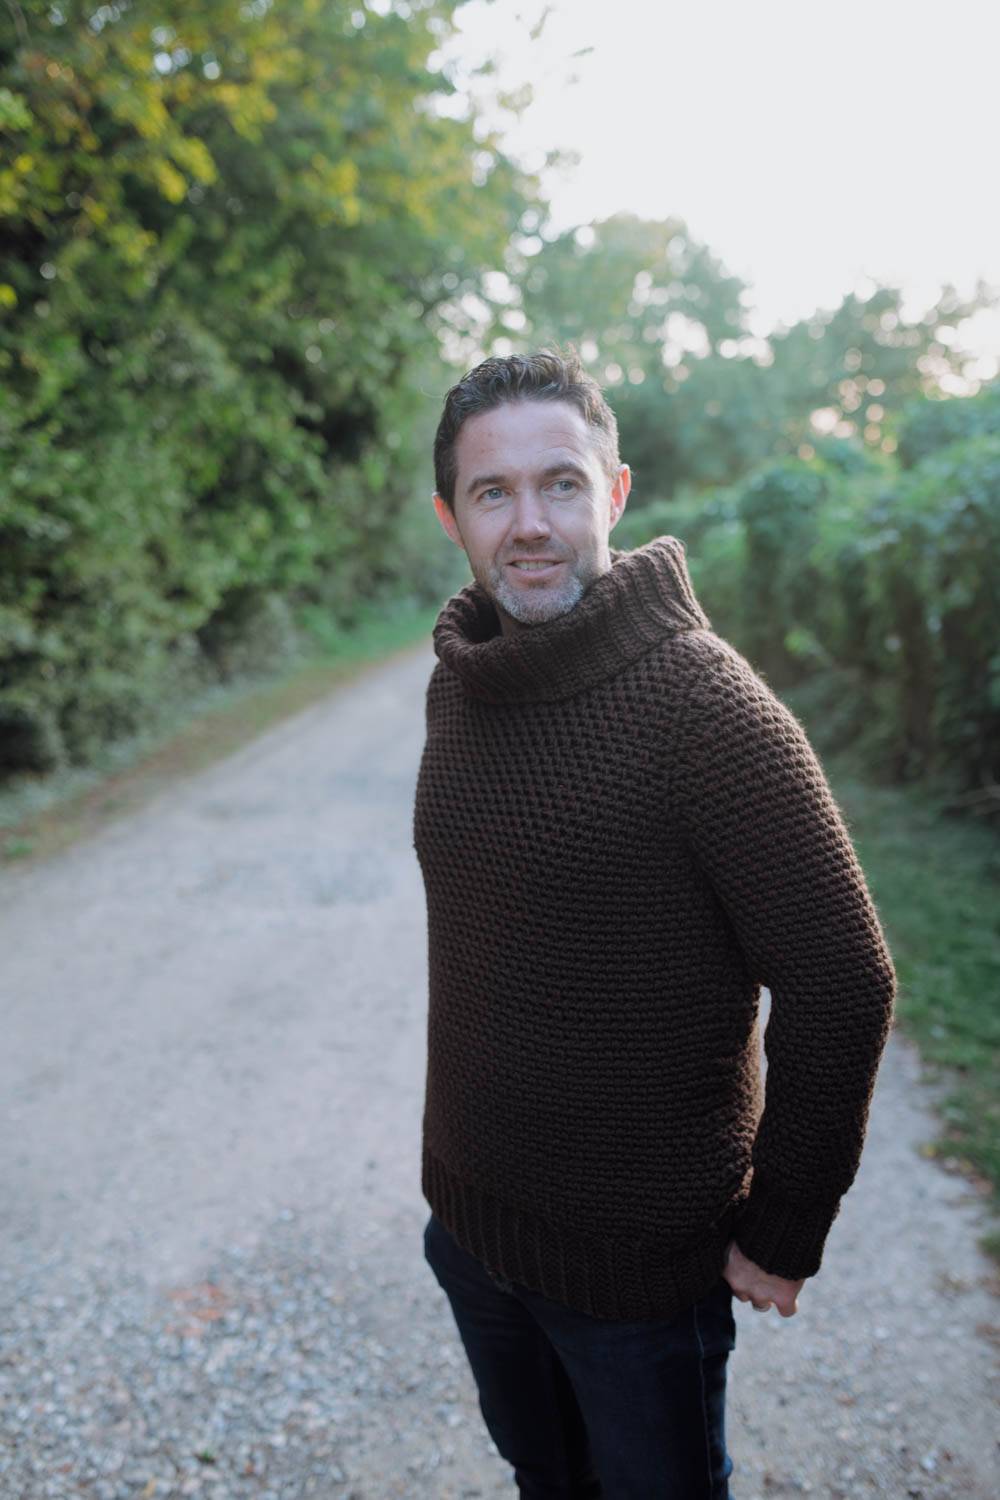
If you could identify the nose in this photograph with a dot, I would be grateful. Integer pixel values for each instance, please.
(531, 516)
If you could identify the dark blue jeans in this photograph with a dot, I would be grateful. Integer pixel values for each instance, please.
(590, 1408)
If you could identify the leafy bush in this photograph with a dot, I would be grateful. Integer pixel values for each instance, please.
(928, 425)
(875, 589)
(231, 237)
(935, 553)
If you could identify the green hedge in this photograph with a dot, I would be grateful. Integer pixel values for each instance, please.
(882, 581)
(230, 237)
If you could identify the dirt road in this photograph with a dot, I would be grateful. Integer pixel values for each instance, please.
(211, 1272)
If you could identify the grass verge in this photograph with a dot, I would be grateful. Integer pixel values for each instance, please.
(40, 815)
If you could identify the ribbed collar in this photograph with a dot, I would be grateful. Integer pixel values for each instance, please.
(645, 595)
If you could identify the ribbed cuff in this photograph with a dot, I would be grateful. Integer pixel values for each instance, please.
(783, 1237)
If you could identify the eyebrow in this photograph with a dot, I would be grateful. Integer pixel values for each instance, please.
(549, 472)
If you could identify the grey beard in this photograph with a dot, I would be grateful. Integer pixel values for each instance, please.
(533, 607)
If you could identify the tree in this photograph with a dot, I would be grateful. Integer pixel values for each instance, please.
(226, 234)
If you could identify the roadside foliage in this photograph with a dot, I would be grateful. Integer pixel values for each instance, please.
(227, 235)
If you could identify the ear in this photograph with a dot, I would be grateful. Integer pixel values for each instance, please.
(620, 492)
(447, 519)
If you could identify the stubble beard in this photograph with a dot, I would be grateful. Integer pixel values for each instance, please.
(533, 606)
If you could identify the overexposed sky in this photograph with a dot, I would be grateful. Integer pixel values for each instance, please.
(809, 145)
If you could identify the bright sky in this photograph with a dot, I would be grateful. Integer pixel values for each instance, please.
(808, 145)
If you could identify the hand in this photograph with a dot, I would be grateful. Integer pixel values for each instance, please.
(752, 1284)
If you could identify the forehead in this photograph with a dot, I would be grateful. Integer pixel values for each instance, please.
(520, 434)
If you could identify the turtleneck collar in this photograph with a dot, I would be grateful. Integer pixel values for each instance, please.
(644, 595)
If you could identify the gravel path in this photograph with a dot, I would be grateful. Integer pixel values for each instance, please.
(211, 1273)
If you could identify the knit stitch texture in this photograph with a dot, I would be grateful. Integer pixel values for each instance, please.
(623, 835)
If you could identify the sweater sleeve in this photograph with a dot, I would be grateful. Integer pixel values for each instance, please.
(763, 826)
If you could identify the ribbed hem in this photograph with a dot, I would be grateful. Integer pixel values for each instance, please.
(783, 1237)
(604, 1278)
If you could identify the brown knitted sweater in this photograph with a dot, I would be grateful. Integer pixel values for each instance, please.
(623, 834)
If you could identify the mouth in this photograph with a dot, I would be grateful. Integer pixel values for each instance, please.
(541, 568)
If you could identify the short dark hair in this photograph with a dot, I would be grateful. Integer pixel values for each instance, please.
(549, 375)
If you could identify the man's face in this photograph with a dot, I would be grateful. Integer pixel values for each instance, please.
(530, 485)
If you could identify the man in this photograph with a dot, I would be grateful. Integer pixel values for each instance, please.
(623, 835)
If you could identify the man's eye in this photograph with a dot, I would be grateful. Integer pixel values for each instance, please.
(492, 493)
(569, 483)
